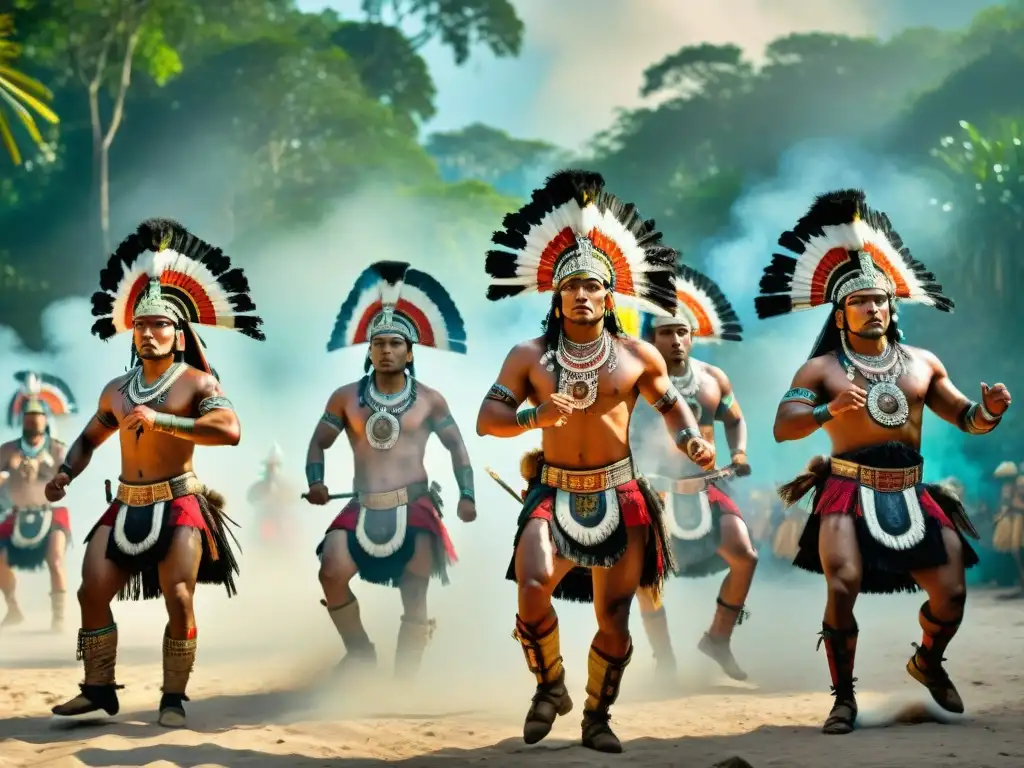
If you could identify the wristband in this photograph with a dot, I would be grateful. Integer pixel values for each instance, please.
(173, 425)
(464, 478)
(527, 418)
(66, 469)
(822, 414)
(314, 474)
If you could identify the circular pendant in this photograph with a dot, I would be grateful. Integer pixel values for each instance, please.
(887, 404)
(582, 388)
(382, 430)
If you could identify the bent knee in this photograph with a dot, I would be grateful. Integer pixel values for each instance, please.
(843, 579)
(179, 598)
(336, 571)
(613, 617)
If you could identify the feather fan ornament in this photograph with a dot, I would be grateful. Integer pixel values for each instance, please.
(702, 306)
(390, 297)
(572, 227)
(50, 392)
(841, 246)
(196, 282)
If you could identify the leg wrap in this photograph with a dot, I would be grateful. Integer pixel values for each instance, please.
(841, 650)
(347, 621)
(604, 678)
(542, 650)
(179, 658)
(57, 609)
(737, 612)
(97, 649)
(656, 627)
(413, 638)
(937, 635)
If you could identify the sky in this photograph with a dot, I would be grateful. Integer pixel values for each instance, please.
(583, 59)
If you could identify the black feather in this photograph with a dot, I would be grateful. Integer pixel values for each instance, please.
(104, 328)
(102, 304)
(249, 325)
(391, 271)
(496, 292)
(773, 306)
(498, 264)
(241, 302)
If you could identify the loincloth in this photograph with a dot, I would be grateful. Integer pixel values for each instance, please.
(589, 513)
(898, 518)
(143, 519)
(1008, 531)
(378, 526)
(25, 534)
(693, 515)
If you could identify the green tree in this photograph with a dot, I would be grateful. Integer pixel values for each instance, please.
(491, 155)
(458, 24)
(20, 93)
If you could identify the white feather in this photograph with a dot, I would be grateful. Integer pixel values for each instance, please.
(688, 289)
(365, 301)
(430, 310)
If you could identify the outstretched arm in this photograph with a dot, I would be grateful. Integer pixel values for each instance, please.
(443, 425)
(953, 406)
(100, 427)
(657, 389)
(217, 423)
(729, 413)
(331, 424)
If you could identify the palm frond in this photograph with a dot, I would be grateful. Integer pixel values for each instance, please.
(20, 93)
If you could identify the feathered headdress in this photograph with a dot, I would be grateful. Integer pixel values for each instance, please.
(163, 270)
(391, 298)
(701, 306)
(843, 246)
(40, 393)
(571, 227)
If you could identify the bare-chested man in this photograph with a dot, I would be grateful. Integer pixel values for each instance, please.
(591, 528)
(1008, 526)
(708, 530)
(876, 527)
(165, 529)
(391, 532)
(34, 533)
(273, 498)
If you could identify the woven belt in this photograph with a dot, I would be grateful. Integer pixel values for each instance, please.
(153, 493)
(588, 480)
(882, 480)
(27, 510)
(392, 499)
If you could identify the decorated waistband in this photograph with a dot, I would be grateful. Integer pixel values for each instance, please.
(132, 495)
(881, 480)
(33, 508)
(396, 498)
(589, 480)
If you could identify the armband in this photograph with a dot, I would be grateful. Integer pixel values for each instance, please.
(106, 419)
(464, 478)
(800, 395)
(331, 420)
(822, 414)
(527, 418)
(666, 402)
(724, 405)
(213, 403)
(502, 394)
(443, 423)
(173, 425)
(314, 474)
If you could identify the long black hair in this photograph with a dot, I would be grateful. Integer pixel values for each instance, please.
(552, 325)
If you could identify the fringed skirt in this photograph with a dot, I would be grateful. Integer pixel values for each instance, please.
(383, 541)
(25, 535)
(590, 531)
(694, 523)
(141, 539)
(898, 532)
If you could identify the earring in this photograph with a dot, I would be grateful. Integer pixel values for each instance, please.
(558, 312)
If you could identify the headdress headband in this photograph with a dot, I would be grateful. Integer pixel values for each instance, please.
(571, 228)
(843, 246)
(389, 297)
(701, 306)
(40, 393)
(163, 270)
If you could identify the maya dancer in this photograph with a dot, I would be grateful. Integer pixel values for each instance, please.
(273, 499)
(708, 531)
(34, 533)
(391, 532)
(164, 530)
(591, 528)
(876, 527)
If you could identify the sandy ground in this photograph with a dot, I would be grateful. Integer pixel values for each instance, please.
(259, 697)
